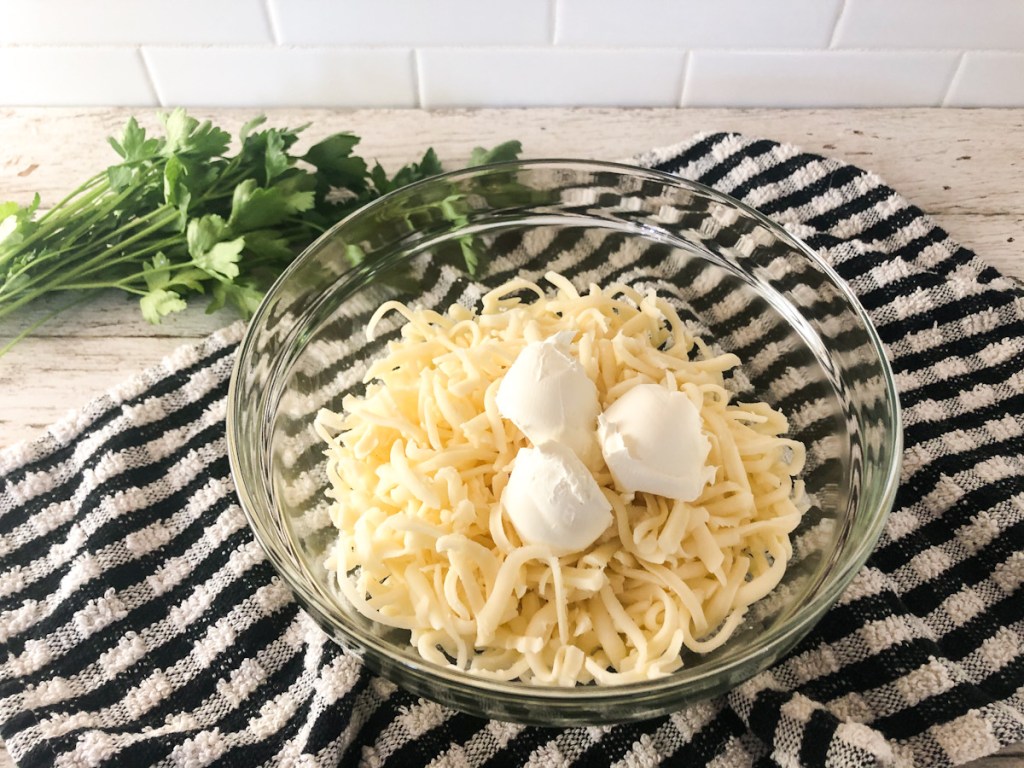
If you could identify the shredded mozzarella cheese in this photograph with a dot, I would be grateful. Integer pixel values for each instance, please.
(418, 463)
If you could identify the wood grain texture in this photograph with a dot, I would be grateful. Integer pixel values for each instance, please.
(963, 167)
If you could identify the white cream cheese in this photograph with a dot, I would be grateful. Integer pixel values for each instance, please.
(552, 499)
(548, 395)
(652, 441)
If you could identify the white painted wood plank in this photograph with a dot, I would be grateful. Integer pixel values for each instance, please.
(968, 160)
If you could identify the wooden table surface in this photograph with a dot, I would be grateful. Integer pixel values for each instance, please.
(964, 167)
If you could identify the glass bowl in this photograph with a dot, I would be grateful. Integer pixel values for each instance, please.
(744, 284)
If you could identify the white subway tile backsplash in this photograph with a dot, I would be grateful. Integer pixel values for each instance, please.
(476, 53)
(931, 24)
(817, 79)
(549, 77)
(261, 76)
(412, 22)
(697, 23)
(989, 80)
(92, 76)
(132, 22)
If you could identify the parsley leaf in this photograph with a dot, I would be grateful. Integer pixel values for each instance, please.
(186, 135)
(134, 147)
(254, 207)
(221, 260)
(178, 215)
(509, 150)
(425, 168)
(159, 303)
(245, 298)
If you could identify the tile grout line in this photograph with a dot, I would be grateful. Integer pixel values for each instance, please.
(150, 77)
(685, 78)
(417, 78)
(271, 17)
(836, 23)
(954, 80)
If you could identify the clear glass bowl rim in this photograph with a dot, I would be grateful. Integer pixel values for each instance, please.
(687, 684)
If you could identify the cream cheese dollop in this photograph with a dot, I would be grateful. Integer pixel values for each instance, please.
(652, 441)
(548, 395)
(552, 499)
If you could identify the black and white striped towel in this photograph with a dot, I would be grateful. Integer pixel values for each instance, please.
(141, 624)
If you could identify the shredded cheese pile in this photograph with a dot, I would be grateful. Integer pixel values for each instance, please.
(418, 463)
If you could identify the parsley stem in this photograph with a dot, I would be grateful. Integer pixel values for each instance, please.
(100, 258)
(92, 263)
(86, 286)
(105, 261)
(44, 319)
(67, 215)
(128, 282)
(61, 206)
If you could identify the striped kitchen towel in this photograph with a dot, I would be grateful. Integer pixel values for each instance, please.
(142, 624)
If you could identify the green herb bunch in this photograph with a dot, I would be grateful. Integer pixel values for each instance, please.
(179, 216)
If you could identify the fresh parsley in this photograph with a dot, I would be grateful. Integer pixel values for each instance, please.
(181, 215)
